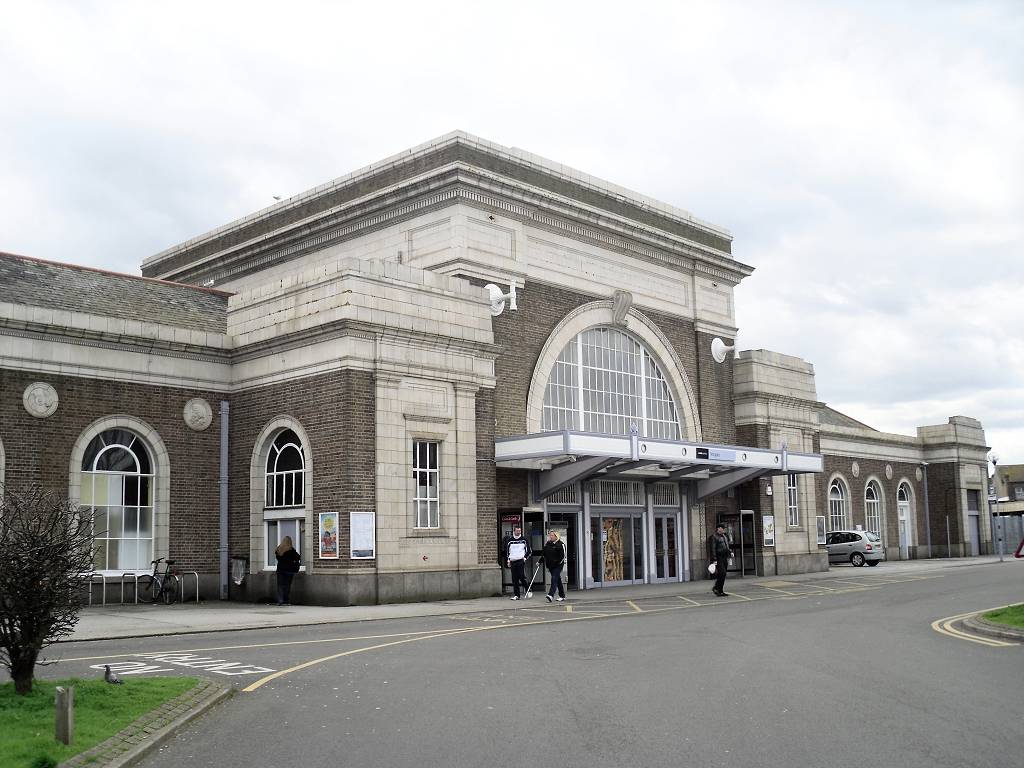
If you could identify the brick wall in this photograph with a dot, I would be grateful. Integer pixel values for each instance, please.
(486, 499)
(39, 450)
(943, 506)
(337, 411)
(870, 469)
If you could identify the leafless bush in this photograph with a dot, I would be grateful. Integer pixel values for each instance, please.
(45, 559)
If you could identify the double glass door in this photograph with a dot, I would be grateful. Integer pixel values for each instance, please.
(617, 549)
(665, 553)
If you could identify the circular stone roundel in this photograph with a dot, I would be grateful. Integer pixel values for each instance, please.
(40, 399)
(919, 474)
(855, 469)
(198, 414)
(888, 471)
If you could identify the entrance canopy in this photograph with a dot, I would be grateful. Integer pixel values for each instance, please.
(567, 457)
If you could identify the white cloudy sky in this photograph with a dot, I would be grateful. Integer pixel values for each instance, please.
(866, 156)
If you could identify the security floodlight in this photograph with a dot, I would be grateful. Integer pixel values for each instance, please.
(498, 298)
(719, 349)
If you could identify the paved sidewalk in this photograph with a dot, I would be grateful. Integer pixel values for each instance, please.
(123, 621)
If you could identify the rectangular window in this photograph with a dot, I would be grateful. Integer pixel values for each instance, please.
(426, 501)
(277, 530)
(792, 502)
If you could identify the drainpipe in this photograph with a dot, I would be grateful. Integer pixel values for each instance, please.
(927, 514)
(223, 548)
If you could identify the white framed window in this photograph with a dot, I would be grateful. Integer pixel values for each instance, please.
(426, 500)
(284, 512)
(604, 381)
(276, 530)
(873, 508)
(792, 502)
(286, 472)
(837, 497)
(117, 484)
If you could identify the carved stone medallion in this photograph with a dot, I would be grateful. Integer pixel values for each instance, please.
(198, 414)
(919, 474)
(855, 469)
(40, 399)
(888, 471)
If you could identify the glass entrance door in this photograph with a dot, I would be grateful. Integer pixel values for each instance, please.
(740, 530)
(665, 543)
(616, 554)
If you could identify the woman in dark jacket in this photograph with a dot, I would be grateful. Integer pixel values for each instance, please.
(288, 562)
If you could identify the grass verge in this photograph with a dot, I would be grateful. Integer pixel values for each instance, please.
(101, 710)
(1012, 616)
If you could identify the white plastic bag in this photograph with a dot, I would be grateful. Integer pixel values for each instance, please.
(712, 568)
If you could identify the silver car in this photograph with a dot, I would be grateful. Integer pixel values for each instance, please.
(855, 547)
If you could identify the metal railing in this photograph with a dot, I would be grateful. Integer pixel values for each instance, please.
(135, 586)
(180, 577)
(103, 579)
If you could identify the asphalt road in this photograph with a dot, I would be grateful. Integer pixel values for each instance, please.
(844, 671)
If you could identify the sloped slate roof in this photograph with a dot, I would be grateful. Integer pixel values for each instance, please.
(72, 288)
(834, 418)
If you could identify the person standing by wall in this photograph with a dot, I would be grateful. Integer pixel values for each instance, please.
(288, 562)
(517, 551)
(554, 559)
(719, 552)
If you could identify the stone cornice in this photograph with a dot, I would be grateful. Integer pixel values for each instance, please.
(448, 186)
(514, 165)
(360, 330)
(100, 340)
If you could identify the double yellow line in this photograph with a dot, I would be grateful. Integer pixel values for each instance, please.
(945, 627)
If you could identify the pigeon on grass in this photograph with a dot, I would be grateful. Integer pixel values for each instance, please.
(111, 677)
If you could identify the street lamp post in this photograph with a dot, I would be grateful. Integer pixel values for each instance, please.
(995, 515)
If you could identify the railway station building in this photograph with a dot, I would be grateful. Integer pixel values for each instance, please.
(396, 367)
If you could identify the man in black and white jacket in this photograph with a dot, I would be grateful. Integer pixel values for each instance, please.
(517, 552)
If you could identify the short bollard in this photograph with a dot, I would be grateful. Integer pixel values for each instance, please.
(65, 705)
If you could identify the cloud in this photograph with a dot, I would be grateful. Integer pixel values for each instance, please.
(865, 156)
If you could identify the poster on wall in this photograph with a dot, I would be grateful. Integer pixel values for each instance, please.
(821, 529)
(768, 528)
(329, 535)
(363, 534)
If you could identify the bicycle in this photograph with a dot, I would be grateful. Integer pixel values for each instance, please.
(157, 586)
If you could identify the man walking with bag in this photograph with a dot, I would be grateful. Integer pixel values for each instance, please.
(719, 553)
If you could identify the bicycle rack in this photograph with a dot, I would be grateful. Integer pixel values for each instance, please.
(135, 579)
(180, 578)
(103, 586)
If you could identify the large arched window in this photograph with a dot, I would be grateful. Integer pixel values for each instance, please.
(837, 506)
(873, 508)
(284, 505)
(605, 380)
(117, 483)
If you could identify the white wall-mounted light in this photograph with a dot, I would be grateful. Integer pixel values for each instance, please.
(719, 349)
(498, 298)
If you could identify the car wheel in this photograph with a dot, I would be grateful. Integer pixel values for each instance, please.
(857, 559)
(873, 563)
